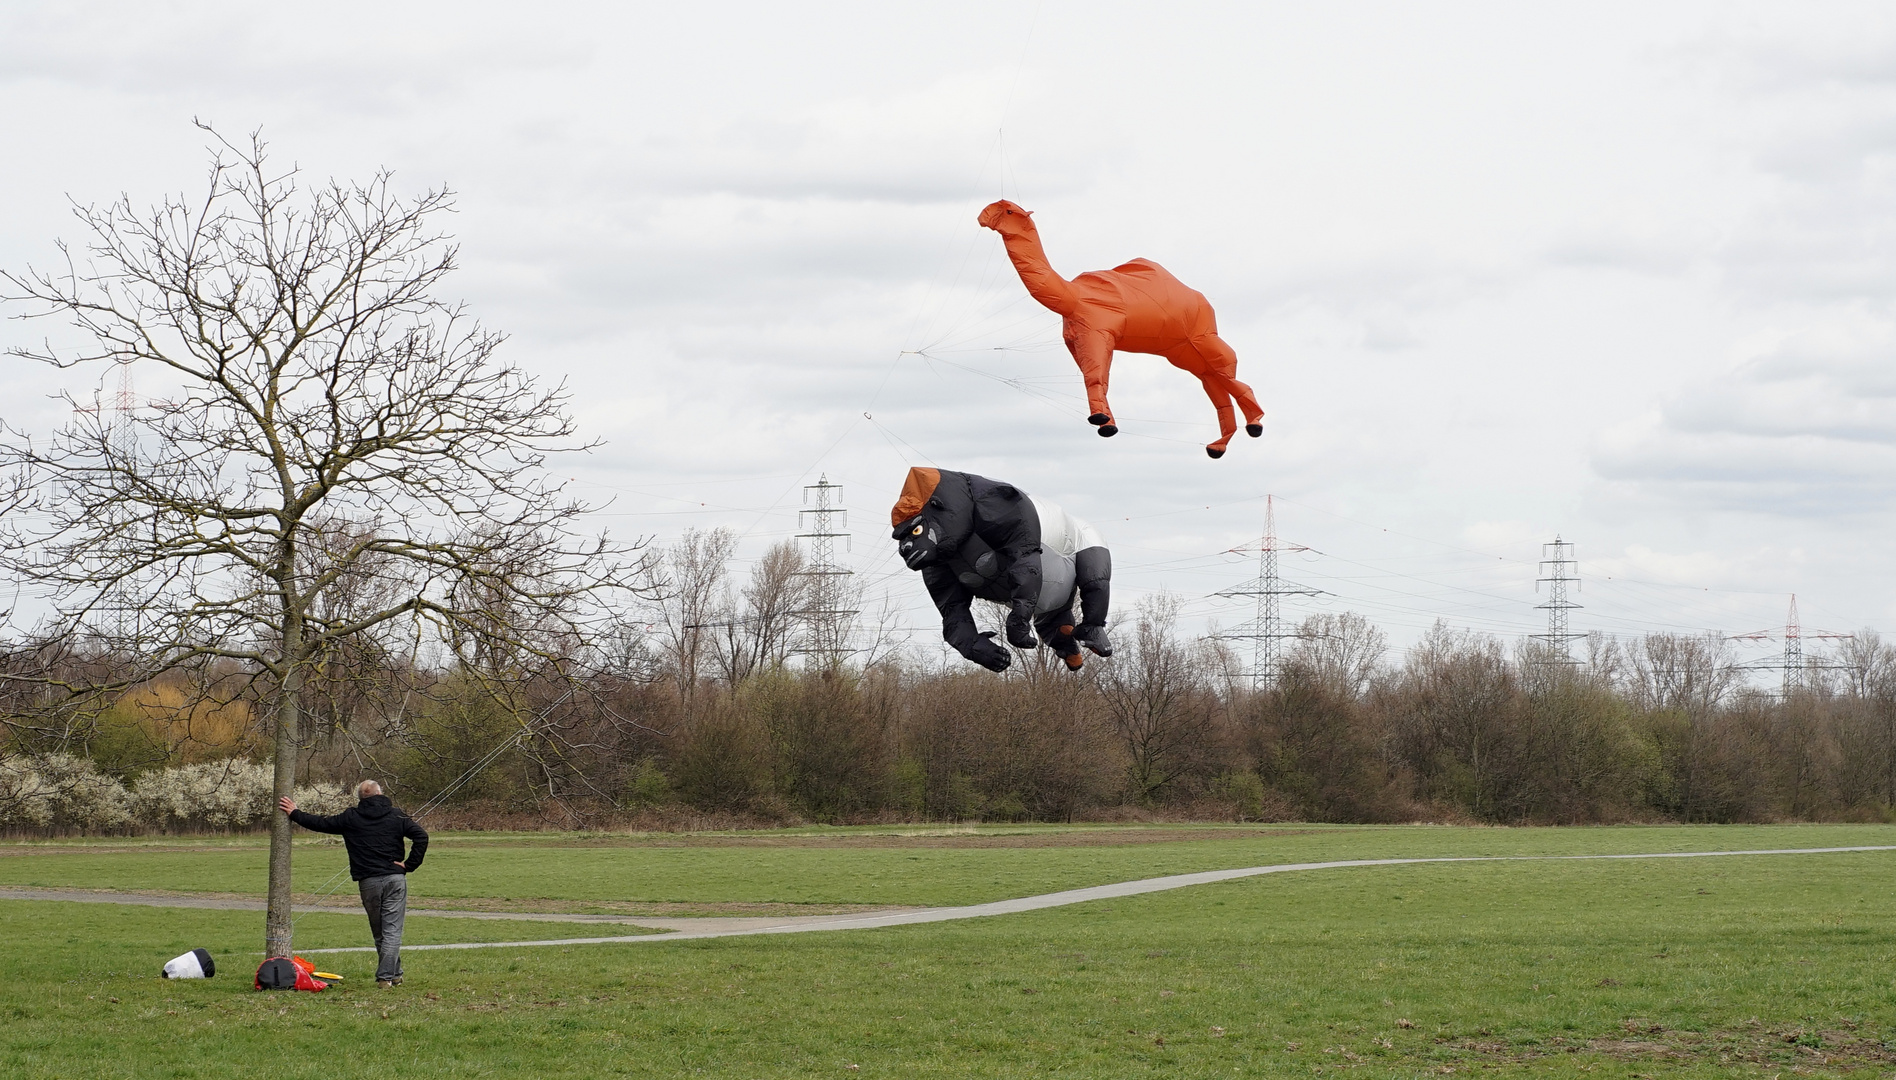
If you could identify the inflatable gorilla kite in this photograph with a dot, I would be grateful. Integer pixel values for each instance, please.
(1134, 307)
(971, 536)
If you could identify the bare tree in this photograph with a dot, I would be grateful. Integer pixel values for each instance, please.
(1313, 741)
(358, 682)
(1865, 664)
(1683, 681)
(1866, 668)
(1158, 695)
(1606, 661)
(759, 635)
(314, 380)
(1687, 673)
(1456, 713)
(691, 605)
(1343, 650)
(882, 630)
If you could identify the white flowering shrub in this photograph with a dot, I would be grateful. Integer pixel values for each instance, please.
(25, 797)
(230, 794)
(324, 798)
(227, 794)
(60, 791)
(83, 797)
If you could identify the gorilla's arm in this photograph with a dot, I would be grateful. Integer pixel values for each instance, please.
(957, 623)
(1093, 573)
(1008, 522)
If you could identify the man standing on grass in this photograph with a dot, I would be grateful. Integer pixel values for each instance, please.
(373, 831)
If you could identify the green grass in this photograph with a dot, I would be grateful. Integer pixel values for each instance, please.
(238, 934)
(1748, 966)
(660, 869)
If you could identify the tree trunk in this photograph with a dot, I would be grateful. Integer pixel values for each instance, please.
(279, 922)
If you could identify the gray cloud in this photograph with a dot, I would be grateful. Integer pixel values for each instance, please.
(1623, 277)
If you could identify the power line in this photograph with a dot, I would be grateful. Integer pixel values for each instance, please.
(826, 621)
(1266, 630)
(1793, 663)
(1564, 572)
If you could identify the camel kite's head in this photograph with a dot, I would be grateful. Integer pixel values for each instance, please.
(1005, 217)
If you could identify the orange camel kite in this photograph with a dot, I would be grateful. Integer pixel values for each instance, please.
(1135, 307)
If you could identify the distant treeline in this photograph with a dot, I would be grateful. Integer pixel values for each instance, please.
(1460, 727)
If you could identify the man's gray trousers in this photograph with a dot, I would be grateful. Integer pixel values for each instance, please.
(385, 898)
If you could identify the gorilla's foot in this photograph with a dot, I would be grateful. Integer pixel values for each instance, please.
(1074, 662)
(1094, 638)
(1099, 419)
(1107, 431)
(1254, 430)
(1214, 452)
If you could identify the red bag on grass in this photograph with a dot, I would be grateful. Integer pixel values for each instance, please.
(289, 973)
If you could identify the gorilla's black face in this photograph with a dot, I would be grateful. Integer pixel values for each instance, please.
(919, 541)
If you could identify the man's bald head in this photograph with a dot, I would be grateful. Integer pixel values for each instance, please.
(367, 788)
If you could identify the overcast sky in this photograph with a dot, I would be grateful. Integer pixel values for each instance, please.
(1621, 272)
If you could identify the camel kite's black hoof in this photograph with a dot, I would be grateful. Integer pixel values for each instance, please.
(1099, 418)
(1214, 453)
(1107, 431)
(1254, 430)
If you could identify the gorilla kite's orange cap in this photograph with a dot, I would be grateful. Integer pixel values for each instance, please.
(921, 483)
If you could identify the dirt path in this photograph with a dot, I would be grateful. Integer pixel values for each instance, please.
(768, 915)
(717, 927)
(701, 928)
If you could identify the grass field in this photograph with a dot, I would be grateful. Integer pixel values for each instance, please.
(1760, 966)
(854, 866)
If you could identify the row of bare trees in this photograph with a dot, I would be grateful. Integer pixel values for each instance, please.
(1460, 726)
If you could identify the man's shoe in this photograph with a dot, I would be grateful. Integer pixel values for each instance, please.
(397, 980)
(384, 984)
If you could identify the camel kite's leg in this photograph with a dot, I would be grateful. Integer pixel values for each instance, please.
(1093, 351)
(1227, 420)
(1221, 362)
(1188, 359)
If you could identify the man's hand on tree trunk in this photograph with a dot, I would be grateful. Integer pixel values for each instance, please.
(287, 804)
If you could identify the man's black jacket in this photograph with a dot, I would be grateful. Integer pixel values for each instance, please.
(372, 830)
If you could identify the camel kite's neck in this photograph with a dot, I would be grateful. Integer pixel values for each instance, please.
(1043, 284)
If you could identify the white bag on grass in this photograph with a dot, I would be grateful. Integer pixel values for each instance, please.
(196, 964)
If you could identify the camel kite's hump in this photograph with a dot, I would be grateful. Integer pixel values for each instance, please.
(1146, 269)
(1161, 311)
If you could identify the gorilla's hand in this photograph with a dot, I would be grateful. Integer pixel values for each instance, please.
(989, 655)
(1020, 630)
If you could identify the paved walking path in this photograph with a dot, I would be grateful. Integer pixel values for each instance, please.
(241, 903)
(693, 929)
(800, 924)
